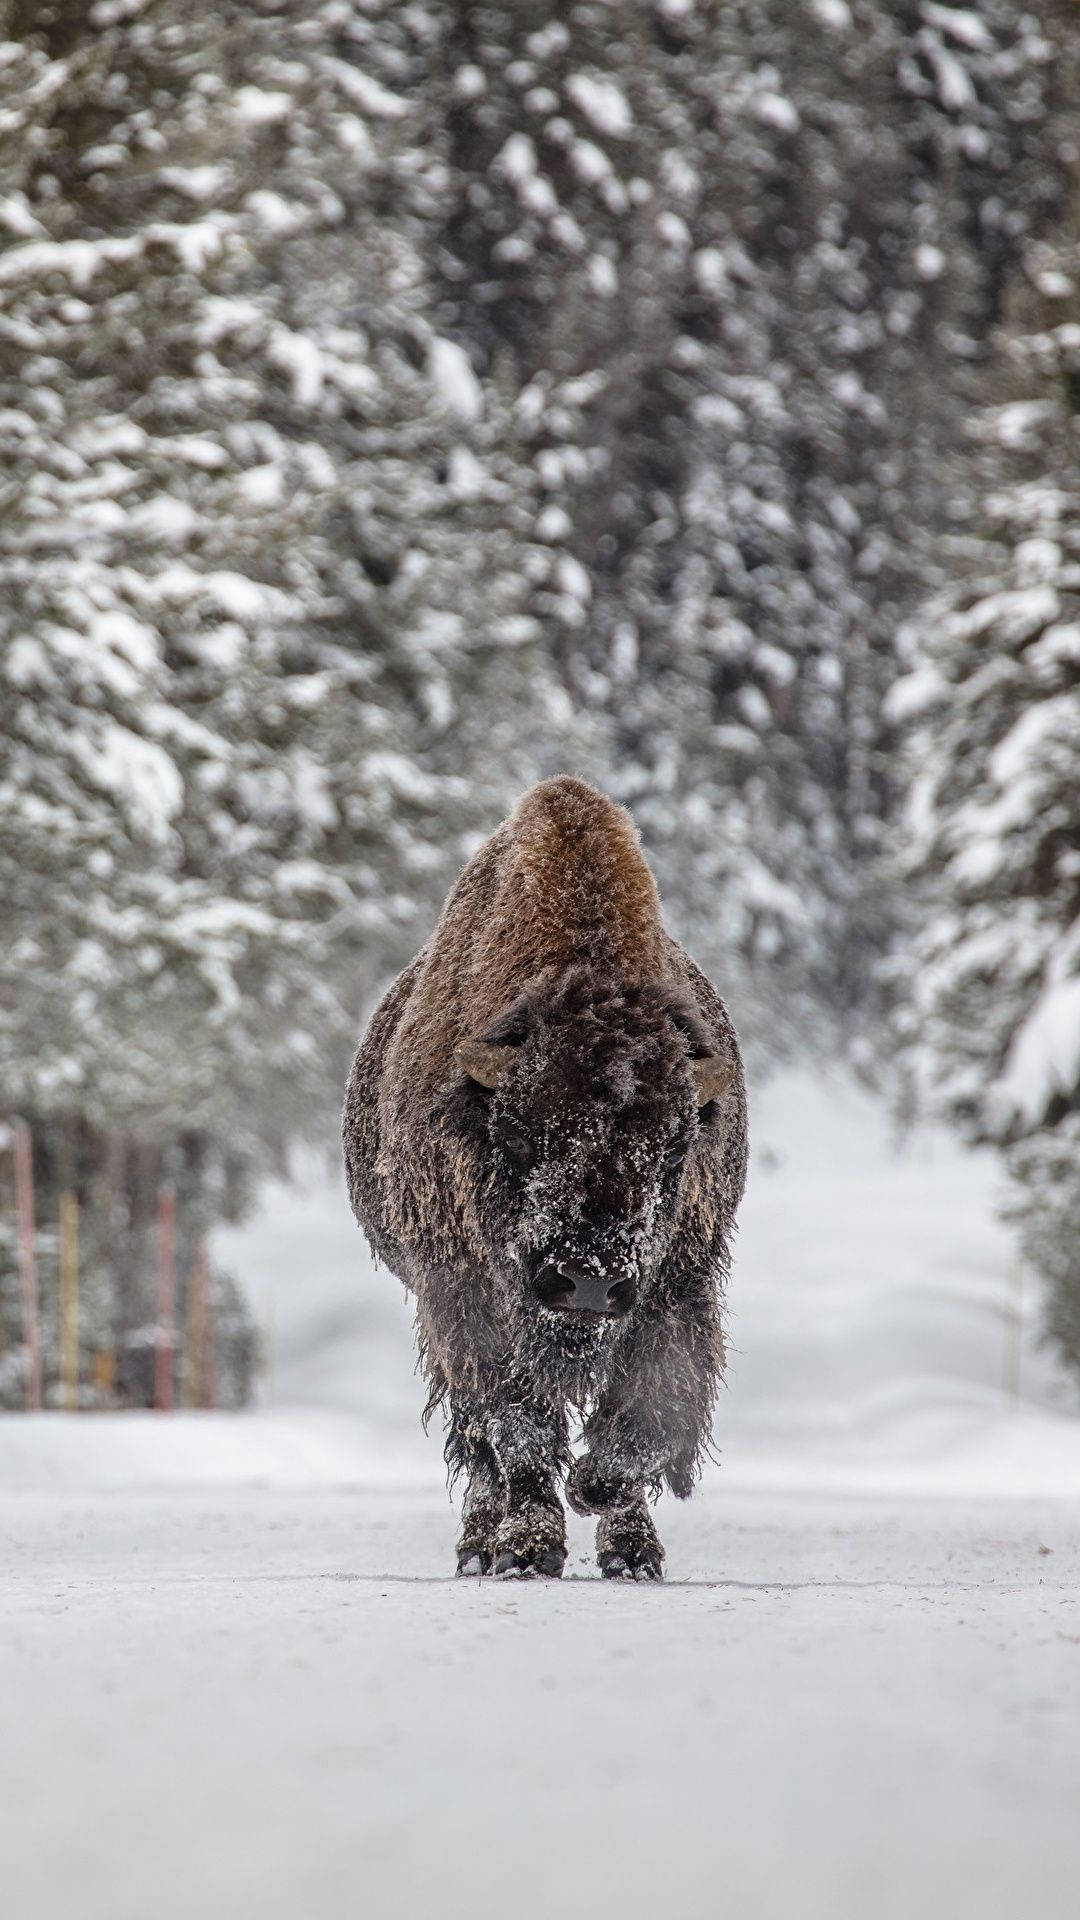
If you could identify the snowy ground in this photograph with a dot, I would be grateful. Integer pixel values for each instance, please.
(237, 1681)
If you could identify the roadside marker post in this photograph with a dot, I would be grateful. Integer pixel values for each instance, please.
(103, 1372)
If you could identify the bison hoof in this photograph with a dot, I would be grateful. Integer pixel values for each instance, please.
(590, 1491)
(531, 1539)
(513, 1566)
(628, 1545)
(473, 1561)
(613, 1566)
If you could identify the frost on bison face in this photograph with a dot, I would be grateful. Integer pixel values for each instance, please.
(579, 1109)
(545, 1137)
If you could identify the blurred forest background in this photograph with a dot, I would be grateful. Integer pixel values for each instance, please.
(402, 402)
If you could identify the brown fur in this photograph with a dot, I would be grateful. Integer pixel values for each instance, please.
(551, 950)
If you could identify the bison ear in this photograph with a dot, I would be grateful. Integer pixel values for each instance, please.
(712, 1077)
(483, 1061)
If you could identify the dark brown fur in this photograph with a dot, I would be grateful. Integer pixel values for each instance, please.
(551, 954)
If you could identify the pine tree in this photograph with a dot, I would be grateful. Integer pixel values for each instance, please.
(990, 977)
(736, 263)
(267, 652)
(256, 574)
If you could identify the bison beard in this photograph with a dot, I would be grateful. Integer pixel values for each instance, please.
(545, 1138)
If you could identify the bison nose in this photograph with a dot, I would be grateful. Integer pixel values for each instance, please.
(574, 1288)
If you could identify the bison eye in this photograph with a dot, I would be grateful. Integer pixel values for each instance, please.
(517, 1147)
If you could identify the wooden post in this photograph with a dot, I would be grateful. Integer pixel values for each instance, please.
(195, 1342)
(24, 1207)
(164, 1357)
(103, 1371)
(69, 1301)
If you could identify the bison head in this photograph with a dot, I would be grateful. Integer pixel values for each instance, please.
(582, 1105)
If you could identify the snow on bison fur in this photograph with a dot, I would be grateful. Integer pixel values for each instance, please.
(545, 1138)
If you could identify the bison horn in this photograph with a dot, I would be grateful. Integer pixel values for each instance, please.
(712, 1077)
(483, 1061)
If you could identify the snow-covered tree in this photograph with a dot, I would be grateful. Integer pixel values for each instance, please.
(990, 973)
(267, 659)
(736, 264)
(263, 553)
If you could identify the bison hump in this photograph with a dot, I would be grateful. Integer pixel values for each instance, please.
(561, 884)
(575, 888)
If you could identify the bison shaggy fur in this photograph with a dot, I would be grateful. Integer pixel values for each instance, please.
(545, 1139)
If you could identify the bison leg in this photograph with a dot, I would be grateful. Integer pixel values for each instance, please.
(628, 1545)
(529, 1443)
(652, 1419)
(483, 1510)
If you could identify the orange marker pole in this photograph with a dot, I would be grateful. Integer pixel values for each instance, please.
(164, 1362)
(103, 1371)
(24, 1208)
(69, 1300)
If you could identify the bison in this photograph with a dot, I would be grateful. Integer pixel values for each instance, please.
(545, 1139)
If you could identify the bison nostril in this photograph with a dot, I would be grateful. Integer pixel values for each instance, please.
(553, 1288)
(620, 1297)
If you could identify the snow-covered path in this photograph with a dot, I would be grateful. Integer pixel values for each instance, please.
(237, 1683)
(273, 1703)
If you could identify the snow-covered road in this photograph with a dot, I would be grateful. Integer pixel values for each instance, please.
(237, 1683)
(273, 1703)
